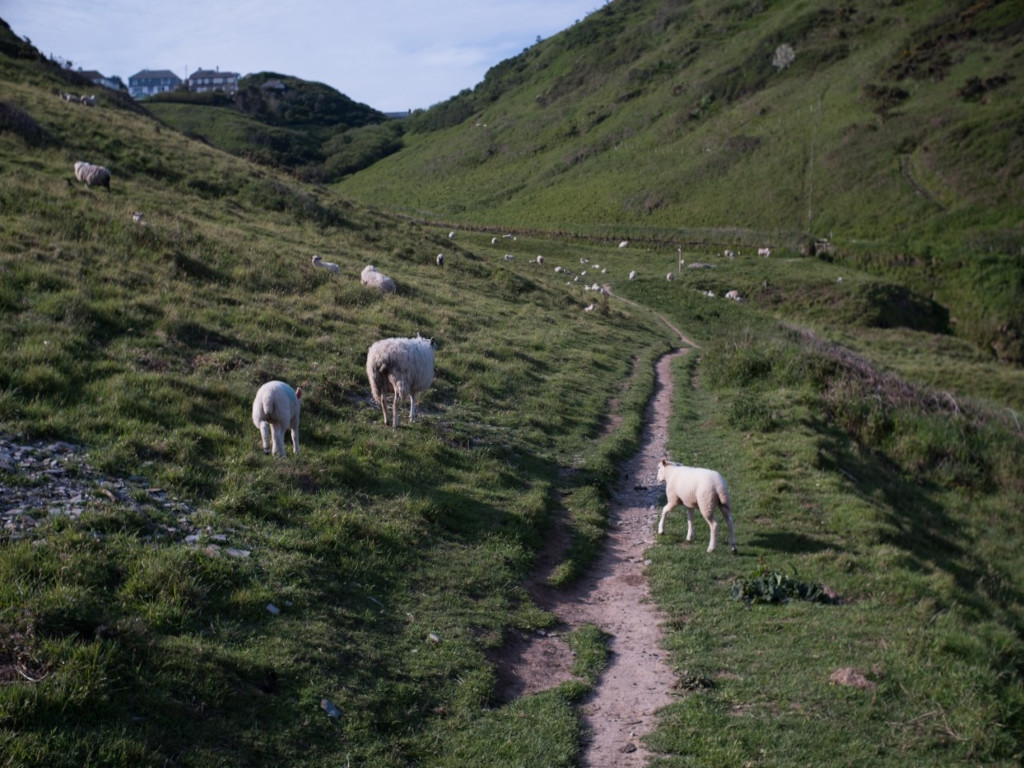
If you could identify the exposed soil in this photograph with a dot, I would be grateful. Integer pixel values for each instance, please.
(614, 596)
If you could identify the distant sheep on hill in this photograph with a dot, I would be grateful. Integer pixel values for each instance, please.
(696, 487)
(373, 279)
(275, 411)
(439, 260)
(92, 175)
(402, 366)
(632, 274)
(328, 265)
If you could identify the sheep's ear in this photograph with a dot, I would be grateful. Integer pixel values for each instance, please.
(664, 463)
(298, 393)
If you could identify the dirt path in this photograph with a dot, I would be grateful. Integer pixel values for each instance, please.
(613, 596)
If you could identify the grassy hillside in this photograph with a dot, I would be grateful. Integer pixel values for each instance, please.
(309, 128)
(893, 132)
(210, 605)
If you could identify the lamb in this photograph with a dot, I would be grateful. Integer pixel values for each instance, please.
(92, 175)
(402, 366)
(632, 275)
(439, 260)
(372, 278)
(766, 252)
(670, 276)
(734, 295)
(696, 487)
(328, 265)
(275, 411)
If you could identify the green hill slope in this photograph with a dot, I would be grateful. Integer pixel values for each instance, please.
(894, 132)
(309, 128)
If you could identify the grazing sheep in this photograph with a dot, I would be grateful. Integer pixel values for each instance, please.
(766, 252)
(402, 366)
(139, 219)
(328, 265)
(92, 175)
(734, 295)
(539, 259)
(89, 101)
(373, 279)
(632, 275)
(69, 97)
(509, 257)
(439, 260)
(729, 254)
(494, 241)
(624, 243)
(589, 308)
(696, 487)
(275, 411)
(451, 235)
(670, 276)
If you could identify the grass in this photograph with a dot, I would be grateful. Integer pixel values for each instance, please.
(394, 560)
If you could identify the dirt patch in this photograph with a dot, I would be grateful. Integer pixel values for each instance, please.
(614, 596)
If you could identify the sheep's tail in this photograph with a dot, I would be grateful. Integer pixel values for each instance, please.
(378, 381)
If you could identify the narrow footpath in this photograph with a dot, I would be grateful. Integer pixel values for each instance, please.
(614, 596)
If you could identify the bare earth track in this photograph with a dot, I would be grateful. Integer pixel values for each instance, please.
(613, 596)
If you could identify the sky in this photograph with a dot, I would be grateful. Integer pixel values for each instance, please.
(394, 55)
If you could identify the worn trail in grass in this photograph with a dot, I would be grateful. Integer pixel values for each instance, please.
(613, 596)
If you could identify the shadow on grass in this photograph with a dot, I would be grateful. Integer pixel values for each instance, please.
(793, 543)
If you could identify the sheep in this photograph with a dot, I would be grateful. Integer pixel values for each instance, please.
(589, 308)
(624, 243)
(729, 254)
(439, 260)
(451, 235)
(328, 265)
(402, 366)
(696, 487)
(494, 241)
(372, 278)
(89, 101)
(509, 257)
(275, 411)
(670, 276)
(734, 295)
(632, 275)
(92, 175)
(539, 259)
(65, 96)
(766, 252)
(139, 218)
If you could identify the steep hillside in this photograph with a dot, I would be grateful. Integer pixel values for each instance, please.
(890, 129)
(309, 128)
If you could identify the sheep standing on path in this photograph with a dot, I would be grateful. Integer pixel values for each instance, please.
(275, 411)
(92, 175)
(402, 366)
(374, 279)
(328, 265)
(696, 487)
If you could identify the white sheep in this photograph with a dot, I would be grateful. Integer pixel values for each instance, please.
(139, 218)
(509, 257)
(670, 276)
(494, 241)
(696, 487)
(589, 308)
(89, 101)
(729, 254)
(92, 175)
(402, 366)
(439, 260)
(624, 243)
(766, 252)
(374, 279)
(275, 411)
(539, 259)
(328, 265)
(632, 275)
(734, 295)
(451, 235)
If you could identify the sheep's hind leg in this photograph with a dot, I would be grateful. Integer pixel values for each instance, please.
(265, 436)
(689, 524)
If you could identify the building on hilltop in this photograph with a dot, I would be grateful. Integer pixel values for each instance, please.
(151, 81)
(203, 80)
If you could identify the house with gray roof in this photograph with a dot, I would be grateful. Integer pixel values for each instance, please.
(151, 81)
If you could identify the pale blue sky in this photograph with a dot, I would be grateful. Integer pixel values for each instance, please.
(394, 55)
